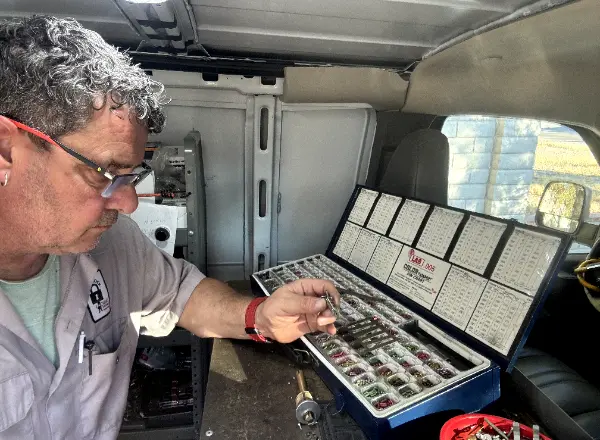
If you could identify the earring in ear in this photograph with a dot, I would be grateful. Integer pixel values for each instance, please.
(5, 179)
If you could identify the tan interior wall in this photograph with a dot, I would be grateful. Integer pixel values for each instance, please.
(381, 88)
(546, 66)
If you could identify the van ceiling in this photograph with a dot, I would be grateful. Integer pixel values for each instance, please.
(390, 33)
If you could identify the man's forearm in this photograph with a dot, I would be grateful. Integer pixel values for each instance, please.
(215, 310)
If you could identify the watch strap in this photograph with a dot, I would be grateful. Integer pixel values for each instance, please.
(250, 320)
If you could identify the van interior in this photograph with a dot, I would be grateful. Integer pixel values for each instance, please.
(474, 104)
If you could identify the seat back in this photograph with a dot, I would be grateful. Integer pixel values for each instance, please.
(419, 167)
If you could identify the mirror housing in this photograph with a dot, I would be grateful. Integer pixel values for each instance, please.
(564, 206)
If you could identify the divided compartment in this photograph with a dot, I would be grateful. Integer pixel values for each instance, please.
(378, 360)
(420, 372)
(375, 391)
(423, 355)
(387, 370)
(356, 370)
(399, 380)
(447, 371)
(333, 344)
(314, 270)
(287, 275)
(272, 284)
(368, 353)
(409, 361)
(338, 353)
(403, 338)
(299, 271)
(386, 401)
(412, 346)
(270, 280)
(396, 352)
(348, 361)
(410, 390)
(430, 381)
(364, 380)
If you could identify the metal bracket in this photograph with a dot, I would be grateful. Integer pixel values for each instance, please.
(196, 203)
(262, 182)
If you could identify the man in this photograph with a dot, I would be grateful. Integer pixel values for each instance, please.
(79, 281)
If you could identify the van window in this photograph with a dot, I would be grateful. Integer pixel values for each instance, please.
(499, 166)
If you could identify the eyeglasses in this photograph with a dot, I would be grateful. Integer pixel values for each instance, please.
(116, 181)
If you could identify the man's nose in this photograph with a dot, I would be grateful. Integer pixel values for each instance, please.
(124, 200)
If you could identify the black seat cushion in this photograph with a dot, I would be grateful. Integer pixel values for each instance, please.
(564, 402)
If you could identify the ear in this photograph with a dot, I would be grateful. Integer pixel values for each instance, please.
(8, 132)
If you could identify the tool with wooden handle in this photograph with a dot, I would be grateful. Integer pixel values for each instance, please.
(307, 410)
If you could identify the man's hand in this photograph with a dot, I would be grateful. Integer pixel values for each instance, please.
(295, 309)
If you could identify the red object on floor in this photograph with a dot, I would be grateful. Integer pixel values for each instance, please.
(461, 427)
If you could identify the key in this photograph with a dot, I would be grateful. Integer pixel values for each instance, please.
(331, 305)
(89, 346)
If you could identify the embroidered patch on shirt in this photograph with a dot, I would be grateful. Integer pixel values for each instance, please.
(99, 301)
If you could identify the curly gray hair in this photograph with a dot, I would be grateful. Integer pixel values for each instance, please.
(54, 73)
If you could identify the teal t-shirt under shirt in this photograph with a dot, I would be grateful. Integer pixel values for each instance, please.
(37, 301)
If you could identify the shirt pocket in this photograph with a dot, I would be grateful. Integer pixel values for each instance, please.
(104, 392)
(16, 401)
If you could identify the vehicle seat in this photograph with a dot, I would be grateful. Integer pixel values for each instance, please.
(563, 401)
(419, 167)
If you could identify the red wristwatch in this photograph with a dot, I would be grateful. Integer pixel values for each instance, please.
(251, 329)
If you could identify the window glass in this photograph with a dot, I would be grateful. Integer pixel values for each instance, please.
(499, 166)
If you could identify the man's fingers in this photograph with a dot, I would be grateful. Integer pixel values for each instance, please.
(325, 320)
(327, 313)
(303, 305)
(314, 287)
(313, 325)
(331, 329)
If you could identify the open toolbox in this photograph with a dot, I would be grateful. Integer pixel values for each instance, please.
(435, 302)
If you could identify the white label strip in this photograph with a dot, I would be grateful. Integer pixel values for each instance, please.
(499, 316)
(362, 206)
(458, 297)
(364, 248)
(439, 231)
(409, 221)
(384, 259)
(383, 213)
(347, 240)
(525, 260)
(477, 243)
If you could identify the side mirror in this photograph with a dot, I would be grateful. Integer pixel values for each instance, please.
(564, 206)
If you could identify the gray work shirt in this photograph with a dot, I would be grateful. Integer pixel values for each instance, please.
(124, 286)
